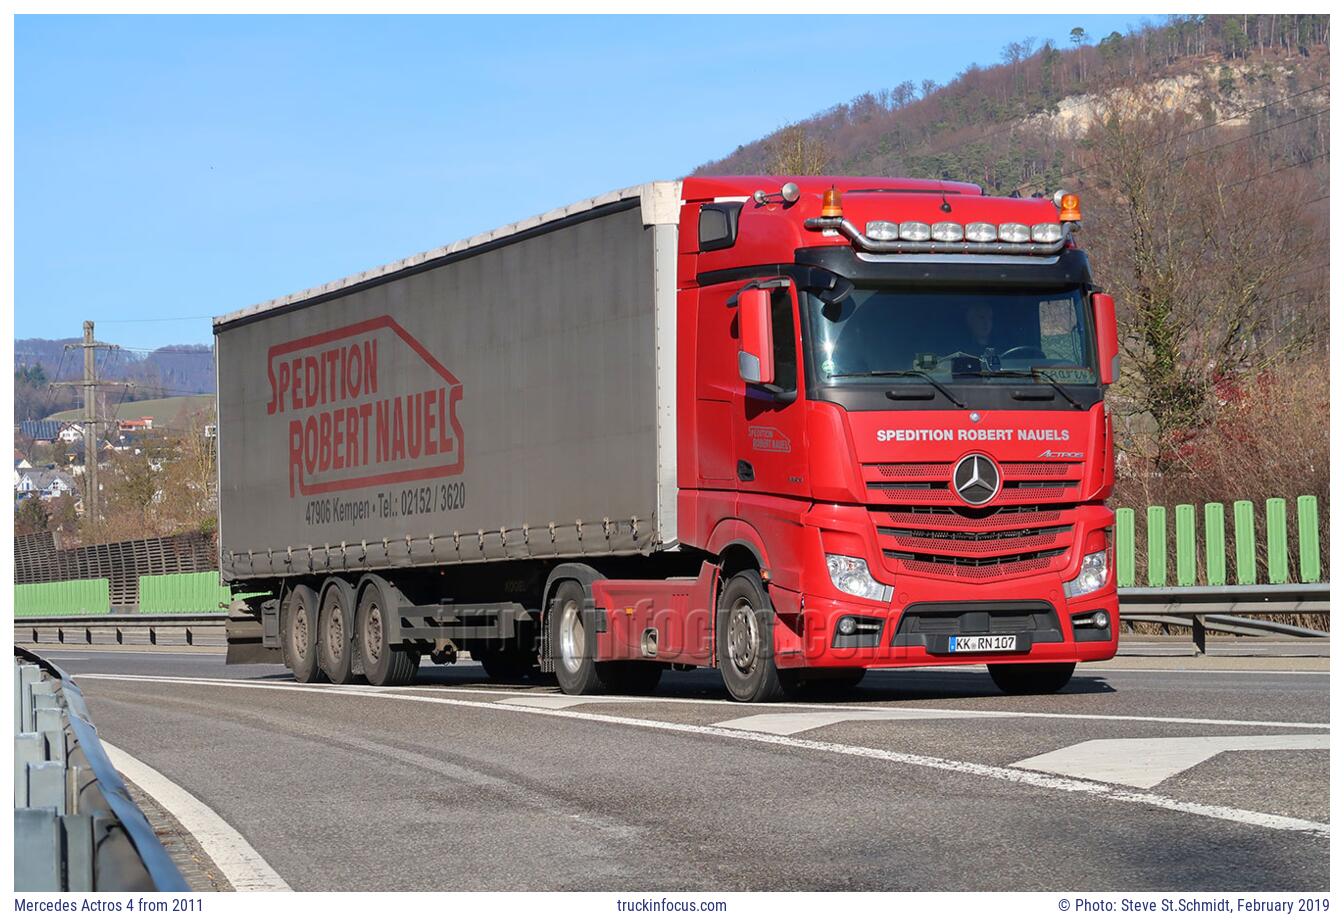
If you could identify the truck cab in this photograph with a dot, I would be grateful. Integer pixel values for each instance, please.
(891, 411)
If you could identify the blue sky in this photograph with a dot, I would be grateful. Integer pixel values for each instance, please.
(176, 167)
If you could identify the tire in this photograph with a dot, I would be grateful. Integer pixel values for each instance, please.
(744, 630)
(384, 666)
(1020, 679)
(574, 642)
(298, 634)
(335, 633)
(633, 677)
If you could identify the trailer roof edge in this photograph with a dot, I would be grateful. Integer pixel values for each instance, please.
(658, 201)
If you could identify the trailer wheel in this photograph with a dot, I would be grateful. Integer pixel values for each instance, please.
(335, 651)
(574, 641)
(298, 633)
(745, 635)
(384, 666)
(1018, 679)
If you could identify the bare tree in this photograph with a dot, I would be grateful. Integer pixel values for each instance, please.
(794, 151)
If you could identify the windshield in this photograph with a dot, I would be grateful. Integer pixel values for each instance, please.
(962, 336)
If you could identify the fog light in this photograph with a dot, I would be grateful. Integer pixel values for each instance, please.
(846, 626)
(1100, 620)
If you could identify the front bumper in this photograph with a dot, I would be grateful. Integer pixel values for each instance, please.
(1042, 625)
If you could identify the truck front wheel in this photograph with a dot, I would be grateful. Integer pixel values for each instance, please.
(1017, 679)
(298, 630)
(573, 641)
(384, 666)
(746, 641)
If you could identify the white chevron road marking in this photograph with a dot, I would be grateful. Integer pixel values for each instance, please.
(1147, 762)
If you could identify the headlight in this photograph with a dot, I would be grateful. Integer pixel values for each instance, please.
(981, 232)
(850, 575)
(1046, 233)
(947, 231)
(1092, 576)
(1015, 233)
(914, 231)
(882, 230)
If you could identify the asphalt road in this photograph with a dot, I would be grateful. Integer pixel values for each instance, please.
(1146, 774)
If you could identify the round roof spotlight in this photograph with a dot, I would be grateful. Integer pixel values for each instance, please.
(790, 192)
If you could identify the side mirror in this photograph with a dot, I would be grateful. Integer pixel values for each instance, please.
(756, 357)
(1108, 337)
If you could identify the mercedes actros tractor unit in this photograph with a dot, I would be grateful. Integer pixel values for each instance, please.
(792, 428)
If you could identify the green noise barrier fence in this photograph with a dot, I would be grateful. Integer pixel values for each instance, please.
(196, 592)
(199, 592)
(85, 596)
(1264, 547)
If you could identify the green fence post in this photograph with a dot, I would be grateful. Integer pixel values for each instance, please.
(1185, 544)
(1124, 547)
(1276, 540)
(1215, 544)
(1157, 545)
(1308, 540)
(1243, 532)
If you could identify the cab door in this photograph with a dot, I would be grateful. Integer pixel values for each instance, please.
(768, 428)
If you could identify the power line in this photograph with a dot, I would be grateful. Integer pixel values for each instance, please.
(1279, 169)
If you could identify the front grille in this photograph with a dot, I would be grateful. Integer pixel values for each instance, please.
(984, 544)
(921, 483)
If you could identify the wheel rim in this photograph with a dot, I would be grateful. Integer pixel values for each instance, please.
(572, 637)
(336, 633)
(373, 634)
(300, 632)
(743, 636)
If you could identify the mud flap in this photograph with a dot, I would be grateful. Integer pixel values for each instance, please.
(253, 635)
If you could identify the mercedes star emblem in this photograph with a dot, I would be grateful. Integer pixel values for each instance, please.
(976, 479)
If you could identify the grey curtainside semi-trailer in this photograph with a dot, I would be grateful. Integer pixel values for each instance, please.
(506, 399)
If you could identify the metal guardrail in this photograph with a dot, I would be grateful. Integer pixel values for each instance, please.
(1225, 608)
(1231, 609)
(163, 629)
(76, 827)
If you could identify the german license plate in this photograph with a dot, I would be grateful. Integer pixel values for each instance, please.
(981, 643)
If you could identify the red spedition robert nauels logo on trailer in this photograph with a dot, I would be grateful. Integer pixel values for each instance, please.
(347, 433)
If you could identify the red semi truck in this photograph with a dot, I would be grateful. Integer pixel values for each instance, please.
(789, 428)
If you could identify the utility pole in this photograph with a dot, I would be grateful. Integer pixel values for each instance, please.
(90, 383)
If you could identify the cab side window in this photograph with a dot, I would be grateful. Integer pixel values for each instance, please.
(786, 354)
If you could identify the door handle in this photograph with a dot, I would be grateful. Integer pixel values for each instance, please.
(745, 471)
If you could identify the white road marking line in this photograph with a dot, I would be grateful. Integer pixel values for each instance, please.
(1006, 774)
(792, 723)
(1146, 762)
(243, 866)
(847, 707)
(543, 701)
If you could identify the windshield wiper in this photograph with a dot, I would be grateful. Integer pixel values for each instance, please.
(1032, 375)
(921, 374)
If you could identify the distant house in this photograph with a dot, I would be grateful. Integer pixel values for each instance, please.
(44, 484)
(20, 464)
(128, 425)
(72, 434)
(41, 429)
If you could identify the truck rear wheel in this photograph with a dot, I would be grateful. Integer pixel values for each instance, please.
(1017, 679)
(298, 632)
(573, 641)
(746, 644)
(384, 666)
(335, 651)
